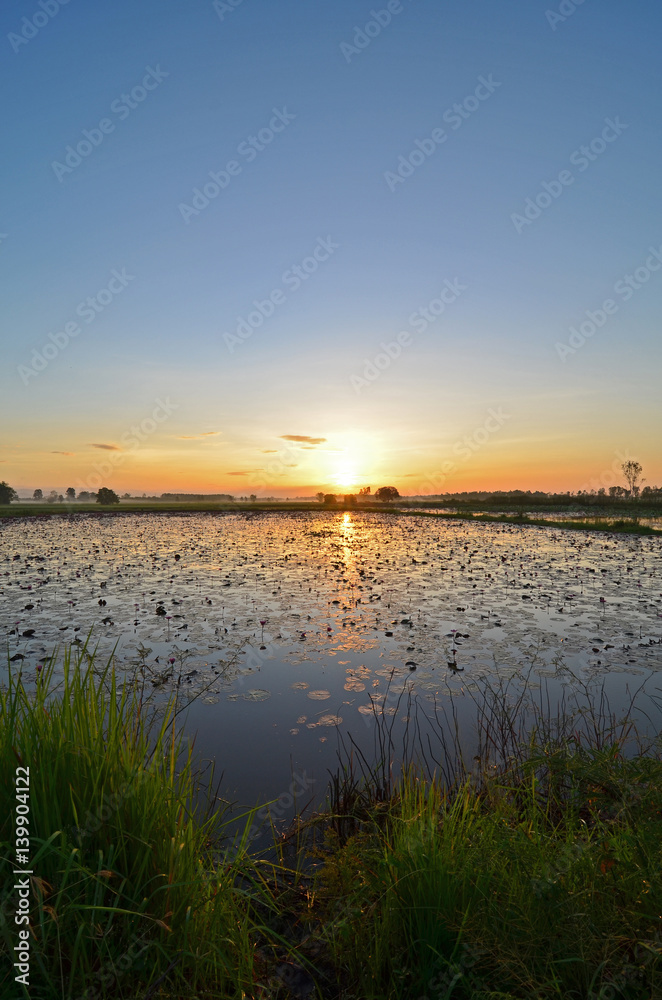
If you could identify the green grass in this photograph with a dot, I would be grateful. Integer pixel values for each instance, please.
(615, 524)
(543, 883)
(126, 885)
(537, 878)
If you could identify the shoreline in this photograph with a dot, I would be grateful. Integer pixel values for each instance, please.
(481, 514)
(410, 893)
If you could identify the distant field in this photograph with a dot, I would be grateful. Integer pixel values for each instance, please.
(616, 518)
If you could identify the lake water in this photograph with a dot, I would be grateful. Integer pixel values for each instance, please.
(291, 629)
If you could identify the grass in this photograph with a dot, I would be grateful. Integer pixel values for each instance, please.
(616, 525)
(533, 872)
(127, 889)
(544, 885)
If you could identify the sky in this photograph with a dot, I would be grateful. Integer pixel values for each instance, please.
(276, 248)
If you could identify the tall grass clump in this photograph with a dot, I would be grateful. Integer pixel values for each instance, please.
(538, 877)
(129, 889)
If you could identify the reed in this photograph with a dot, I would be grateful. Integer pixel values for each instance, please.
(131, 886)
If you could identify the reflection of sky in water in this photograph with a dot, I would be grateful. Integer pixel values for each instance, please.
(355, 608)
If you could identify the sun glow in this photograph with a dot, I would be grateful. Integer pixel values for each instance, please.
(346, 474)
(349, 467)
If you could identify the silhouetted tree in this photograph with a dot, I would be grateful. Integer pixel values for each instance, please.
(320, 497)
(107, 496)
(386, 494)
(52, 497)
(349, 500)
(7, 493)
(329, 499)
(84, 495)
(253, 497)
(71, 493)
(37, 495)
(632, 474)
(364, 491)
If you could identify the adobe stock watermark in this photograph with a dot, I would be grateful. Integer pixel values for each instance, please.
(455, 117)
(87, 310)
(420, 320)
(248, 149)
(582, 158)
(596, 319)
(565, 10)
(458, 972)
(110, 804)
(113, 970)
(465, 448)
(280, 806)
(122, 107)
(31, 26)
(131, 440)
(363, 37)
(608, 477)
(224, 7)
(293, 279)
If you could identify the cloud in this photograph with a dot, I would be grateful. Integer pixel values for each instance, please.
(196, 437)
(305, 438)
(63, 453)
(246, 473)
(107, 447)
(269, 451)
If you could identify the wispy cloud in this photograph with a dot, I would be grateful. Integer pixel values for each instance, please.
(269, 451)
(107, 447)
(63, 453)
(303, 438)
(247, 472)
(197, 437)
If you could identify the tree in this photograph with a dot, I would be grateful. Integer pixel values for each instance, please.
(7, 493)
(329, 499)
(37, 495)
(319, 497)
(364, 491)
(386, 494)
(107, 496)
(349, 499)
(83, 495)
(52, 497)
(71, 493)
(632, 475)
(253, 497)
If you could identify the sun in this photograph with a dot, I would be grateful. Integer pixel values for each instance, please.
(346, 479)
(346, 467)
(346, 475)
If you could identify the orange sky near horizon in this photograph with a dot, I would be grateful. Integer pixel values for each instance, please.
(492, 457)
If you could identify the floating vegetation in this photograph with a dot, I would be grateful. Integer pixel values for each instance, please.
(319, 695)
(350, 608)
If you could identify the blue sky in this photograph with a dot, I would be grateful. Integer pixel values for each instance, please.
(354, 114)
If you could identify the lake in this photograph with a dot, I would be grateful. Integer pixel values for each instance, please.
(286, 631)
